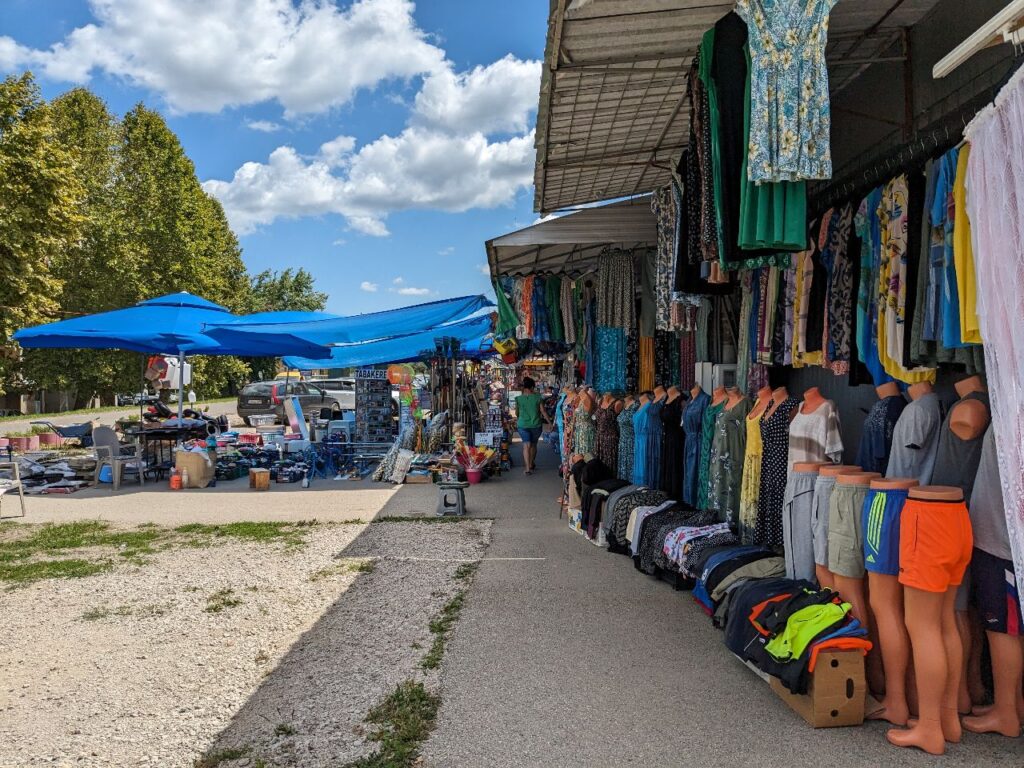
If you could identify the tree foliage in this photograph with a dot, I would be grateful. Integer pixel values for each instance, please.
(98, 213)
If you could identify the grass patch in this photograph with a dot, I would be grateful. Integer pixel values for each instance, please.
(466, 570)
(347, 566)
(404, 720)
(429, 519)
(146, 610)
(213, 759)
(221, 599)
(25, 573)
(284, 729)
(441, 628)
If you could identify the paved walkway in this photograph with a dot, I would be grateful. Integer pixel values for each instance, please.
(567, 656)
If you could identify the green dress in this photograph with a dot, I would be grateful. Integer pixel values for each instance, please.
(707, 432)
(725, 471)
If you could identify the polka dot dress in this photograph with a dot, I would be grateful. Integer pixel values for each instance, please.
(774, 460)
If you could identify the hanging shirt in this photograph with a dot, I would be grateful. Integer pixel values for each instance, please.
(790, 118)
(815, 436)
(963, 255)
(877, 438)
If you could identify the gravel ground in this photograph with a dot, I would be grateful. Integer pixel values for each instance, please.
(129, 667)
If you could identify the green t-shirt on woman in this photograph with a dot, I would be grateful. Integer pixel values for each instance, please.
(528, 411)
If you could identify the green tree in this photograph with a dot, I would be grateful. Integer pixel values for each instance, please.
(96, 273)
(40, 217)
(277, 292)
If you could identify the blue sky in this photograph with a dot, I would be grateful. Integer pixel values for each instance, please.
(376, 143)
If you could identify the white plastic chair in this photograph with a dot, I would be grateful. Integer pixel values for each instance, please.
(12, 485)
(112, 453)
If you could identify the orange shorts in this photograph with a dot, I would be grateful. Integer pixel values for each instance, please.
(935, 544)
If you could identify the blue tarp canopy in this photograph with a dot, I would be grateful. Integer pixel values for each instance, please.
(352, 329)
(472, 333)
(171, 324)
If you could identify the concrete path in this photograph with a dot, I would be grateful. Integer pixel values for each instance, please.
(565, 655)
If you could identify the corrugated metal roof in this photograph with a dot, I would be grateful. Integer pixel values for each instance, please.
(571, 243)
(613, 116)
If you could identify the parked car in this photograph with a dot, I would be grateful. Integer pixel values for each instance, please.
(263, 398)
(137, 398)
(342, 390)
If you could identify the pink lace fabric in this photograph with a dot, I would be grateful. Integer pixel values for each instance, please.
(995, 204)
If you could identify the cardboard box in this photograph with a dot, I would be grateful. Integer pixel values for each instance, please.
(200, 470)
(837, 692)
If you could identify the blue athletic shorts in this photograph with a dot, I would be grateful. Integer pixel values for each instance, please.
(530, 434)
(881, 524)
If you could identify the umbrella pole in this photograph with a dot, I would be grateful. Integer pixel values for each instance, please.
(181, 387)
(142, 388)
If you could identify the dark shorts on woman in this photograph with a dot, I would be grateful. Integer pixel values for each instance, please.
(530, 435)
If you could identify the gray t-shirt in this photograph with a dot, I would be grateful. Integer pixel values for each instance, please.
(988, 516)
(915, 440)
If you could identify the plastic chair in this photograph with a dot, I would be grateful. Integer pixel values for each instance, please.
(451, 490)
(111, 453)
(11, 485)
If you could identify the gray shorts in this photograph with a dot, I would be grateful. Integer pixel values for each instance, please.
(819, 521)
(845, 530)
(797, 533)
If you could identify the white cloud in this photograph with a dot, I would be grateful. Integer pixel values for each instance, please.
(367, 286)
(483, 269)
(203, 56)
(446, 251)
(418, 169)
(398, 281)
(409, 291)
(498, 97)
(263, 126)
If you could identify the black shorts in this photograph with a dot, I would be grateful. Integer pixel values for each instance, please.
(994, 592)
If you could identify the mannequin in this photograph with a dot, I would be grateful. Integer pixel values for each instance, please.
(734, 397)
(813, 400)
(673, 393)
(917, 391)
(779, 396)
(935, 644)
(695, 390)
(630, 399)
(764, 399)
(969, 418)
(852, 588)
(659, 392)
(607, 399)
(889, 389)
(645, 398)
(809, 466)
(826, 579)
(886, 598)
(617, 406)
(719, 395)
(586, 402)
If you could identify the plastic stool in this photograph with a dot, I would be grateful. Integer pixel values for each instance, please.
(456, 490)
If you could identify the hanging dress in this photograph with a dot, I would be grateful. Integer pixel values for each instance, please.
(672, 449)
(693, 425)
(751, 484)
(725, 474)
(584, 432)
(707, 432)
(608, 437)
(652, 474)
(626, 440)
(640, 458)
(774, 455)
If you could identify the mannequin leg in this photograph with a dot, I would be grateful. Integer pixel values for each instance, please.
(934, 640)
(853, 592)
(951, 727)
(1004, 716)
(963, 628)
(826, 579)
(886, 598)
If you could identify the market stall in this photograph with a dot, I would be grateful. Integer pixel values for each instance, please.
(813, 353)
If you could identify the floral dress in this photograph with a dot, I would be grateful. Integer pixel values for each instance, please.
(626, 438)
(728, 448)
(751, 484)
(607, 437)
(790, 118)
(584, 432)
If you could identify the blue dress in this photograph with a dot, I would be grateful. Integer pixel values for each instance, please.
(693, 424)
(652, 468)
(640, 445)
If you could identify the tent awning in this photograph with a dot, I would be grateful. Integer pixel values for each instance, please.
(613, 116)
(571, 243)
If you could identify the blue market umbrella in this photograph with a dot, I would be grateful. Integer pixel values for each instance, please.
(471, 334)
(354, 328)
(171, 324)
